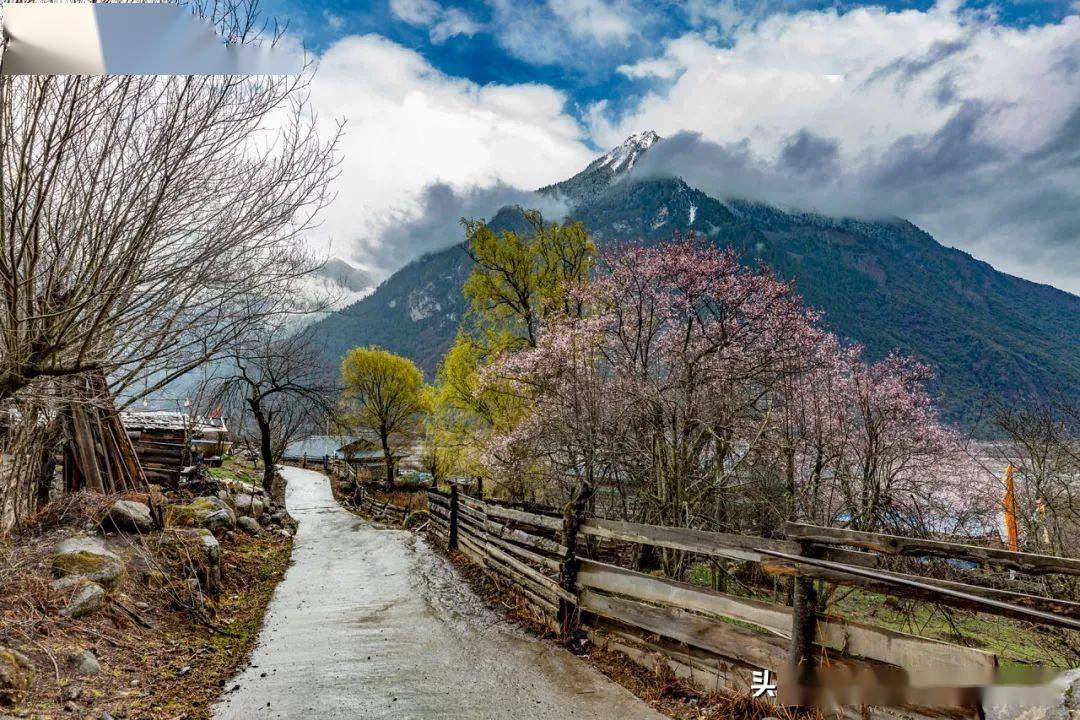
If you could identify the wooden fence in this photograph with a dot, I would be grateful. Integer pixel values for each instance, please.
(715, 639)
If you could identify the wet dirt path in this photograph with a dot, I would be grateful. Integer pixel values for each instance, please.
(371, 623)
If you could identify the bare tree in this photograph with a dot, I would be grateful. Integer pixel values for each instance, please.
(146, 224)
(279, 377)
(147, 221)
(1042, 441)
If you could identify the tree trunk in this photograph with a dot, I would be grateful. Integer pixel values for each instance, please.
(266, 450)
(388, 459)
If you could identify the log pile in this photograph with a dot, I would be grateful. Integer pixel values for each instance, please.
(98, 455)
(162, 450)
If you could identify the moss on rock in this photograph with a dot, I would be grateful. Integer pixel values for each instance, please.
(16, 675)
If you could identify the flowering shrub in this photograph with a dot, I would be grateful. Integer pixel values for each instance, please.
(695, 391)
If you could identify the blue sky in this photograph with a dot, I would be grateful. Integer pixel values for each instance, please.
(589, 75)
(963, 117)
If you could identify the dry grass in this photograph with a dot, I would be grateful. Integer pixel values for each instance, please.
(162, 656)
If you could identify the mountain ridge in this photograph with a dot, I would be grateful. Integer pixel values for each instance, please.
(886, 284)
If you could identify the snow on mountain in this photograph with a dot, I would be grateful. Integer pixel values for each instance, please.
(622, 158)
(604, 170)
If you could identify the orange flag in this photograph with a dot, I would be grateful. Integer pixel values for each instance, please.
(1010, 510)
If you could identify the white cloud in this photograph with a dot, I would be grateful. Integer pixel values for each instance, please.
(416, 12)
(594, 19)
(443, 22)
(928, 96)
(409, 126)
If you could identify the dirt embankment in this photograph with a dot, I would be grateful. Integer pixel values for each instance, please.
(164, 623)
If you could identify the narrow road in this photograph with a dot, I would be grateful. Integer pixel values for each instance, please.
(371, 623)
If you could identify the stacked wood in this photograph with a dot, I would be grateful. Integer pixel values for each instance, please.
(98, 455)
(163, 449)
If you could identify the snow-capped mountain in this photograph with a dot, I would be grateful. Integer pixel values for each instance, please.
(888, 285)
(604, 170)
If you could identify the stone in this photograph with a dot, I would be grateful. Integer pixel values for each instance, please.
(86, 601)
(73, 691)
(130, 516)
(143, 606)
(284, 533)
(249, 524)
(210, 555)
(16, 675)
(207, 512)
(88, 557)
(87, 664)
(249, 504)
(68, 583)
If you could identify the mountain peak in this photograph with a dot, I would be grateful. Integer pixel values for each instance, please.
(606, 169)
(623, 157)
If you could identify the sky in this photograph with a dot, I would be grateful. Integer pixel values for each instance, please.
(961, 117)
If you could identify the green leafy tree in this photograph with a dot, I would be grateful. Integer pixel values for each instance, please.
(518, 281)
(384, 393)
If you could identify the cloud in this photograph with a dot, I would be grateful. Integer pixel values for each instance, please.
(963, 125)
(587, 36)
(409, 126)
(593, 19)
(434, 222)
(443, 22)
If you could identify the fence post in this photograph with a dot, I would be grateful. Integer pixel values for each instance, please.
(452, 541)
(803, 622)
(573, 514)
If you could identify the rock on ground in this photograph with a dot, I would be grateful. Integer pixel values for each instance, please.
(87, 663)
(249, 524)
(210, 555)
(88, 557)
(130, 516)
(87, 600)
(16, 674)
(249, 504)
(207, 512)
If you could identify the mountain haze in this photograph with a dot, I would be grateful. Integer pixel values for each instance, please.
(886, 284)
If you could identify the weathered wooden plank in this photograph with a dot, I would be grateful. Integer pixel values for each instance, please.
(702, 669)
(438, 500)
(441, 525)
(524, 538)
(531, 573)
(758, 649)
(518, 580)
(470, 519)
(527, 555)
(639, 586)
(439, 511)
(896, 545)
(470, 552)
(922, 657)
(725, 545)
(909, 587)
(521, 516)
(467, 511)
(472, 503)
(926, 661)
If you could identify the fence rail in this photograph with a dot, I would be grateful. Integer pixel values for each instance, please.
(716, 639)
